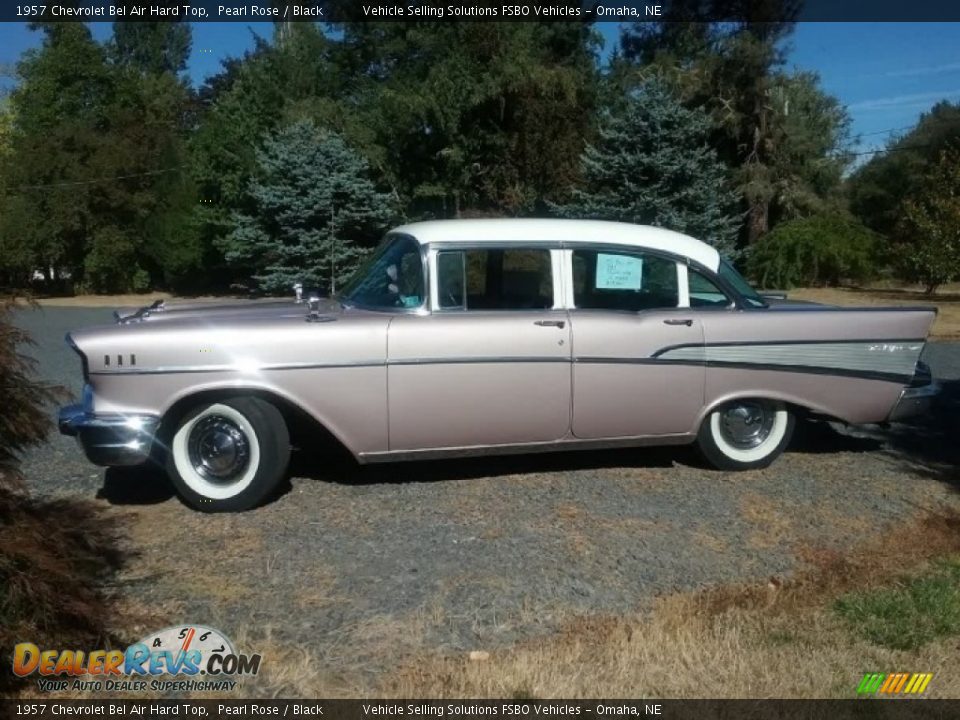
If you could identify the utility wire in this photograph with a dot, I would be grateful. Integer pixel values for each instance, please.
(881, 132)
(74, 183)
(892, 149)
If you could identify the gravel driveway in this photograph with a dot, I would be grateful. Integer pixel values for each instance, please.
(353, 562)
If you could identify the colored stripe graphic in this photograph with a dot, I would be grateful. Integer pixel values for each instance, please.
(870, 683)
(894, 683)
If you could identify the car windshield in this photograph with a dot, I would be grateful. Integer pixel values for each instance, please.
(730, 274)
(391, 278)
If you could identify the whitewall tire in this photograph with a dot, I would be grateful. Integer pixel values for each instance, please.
(228, 455)
(745, 434)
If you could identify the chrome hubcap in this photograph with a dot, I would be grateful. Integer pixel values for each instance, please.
(746, 424)
(218, 449)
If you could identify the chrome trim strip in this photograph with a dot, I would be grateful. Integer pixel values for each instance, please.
(181, 369)
(480, 360)
(888, 357)
(881, 367)
(800, 369)
(564, 445)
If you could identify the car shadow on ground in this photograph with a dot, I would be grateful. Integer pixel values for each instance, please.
(146, 484)
(930, 445)
(339, 467)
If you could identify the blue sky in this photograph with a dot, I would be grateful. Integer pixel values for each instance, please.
(885, 73)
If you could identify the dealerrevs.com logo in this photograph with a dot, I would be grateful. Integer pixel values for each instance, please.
(181, 658)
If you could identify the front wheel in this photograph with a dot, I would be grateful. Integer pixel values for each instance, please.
(228, 456)
(745, 434)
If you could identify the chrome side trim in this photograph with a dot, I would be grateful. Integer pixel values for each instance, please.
(174, 369)
(565, 445)
(886, 357)
(881, 360)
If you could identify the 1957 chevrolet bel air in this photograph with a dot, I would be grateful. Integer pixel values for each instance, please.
(471, 336)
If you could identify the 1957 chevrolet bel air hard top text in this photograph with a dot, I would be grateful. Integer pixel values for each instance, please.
(472, 336)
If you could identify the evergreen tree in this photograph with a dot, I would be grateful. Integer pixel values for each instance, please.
(315, 211)
(271, 85)
(652, 165)
(724, 56)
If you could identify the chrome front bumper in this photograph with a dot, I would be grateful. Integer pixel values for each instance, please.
(917, 397)
(109, 438)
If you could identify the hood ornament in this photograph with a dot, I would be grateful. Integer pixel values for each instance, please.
(313, 311)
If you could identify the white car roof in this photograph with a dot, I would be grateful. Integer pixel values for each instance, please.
(598, 231)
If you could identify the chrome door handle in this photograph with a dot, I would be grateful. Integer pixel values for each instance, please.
(551, 323)
(676, 321)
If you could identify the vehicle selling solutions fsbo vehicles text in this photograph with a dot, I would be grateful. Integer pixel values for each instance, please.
(469, 11)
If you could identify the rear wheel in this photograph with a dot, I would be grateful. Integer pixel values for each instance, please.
(745, 434)
(229, 455)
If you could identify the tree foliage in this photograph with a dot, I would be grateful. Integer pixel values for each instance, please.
(94, 179)
(483, 116)
(652, 164)
(929, 228)
(315, 211)
(878, 188)
(729, 68)
(118, 174)
(823, 249)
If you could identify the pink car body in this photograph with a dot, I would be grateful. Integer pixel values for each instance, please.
(598, 334)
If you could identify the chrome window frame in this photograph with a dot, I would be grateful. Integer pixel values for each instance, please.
(556, 272)
(731, 302)
(683, 264)
(425, 304)
(680, 265)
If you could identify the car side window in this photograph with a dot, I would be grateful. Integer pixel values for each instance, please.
(631, 281)
(494, 279)
(704, 292)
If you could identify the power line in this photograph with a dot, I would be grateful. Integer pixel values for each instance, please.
(74, 183)
(893, 149)
(889, 130)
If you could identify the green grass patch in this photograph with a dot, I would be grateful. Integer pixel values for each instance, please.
(914, 612)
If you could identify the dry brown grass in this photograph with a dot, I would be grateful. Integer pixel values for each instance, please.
(771, 639)
(946, 300)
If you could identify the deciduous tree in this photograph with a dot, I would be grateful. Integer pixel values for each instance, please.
(929, 229)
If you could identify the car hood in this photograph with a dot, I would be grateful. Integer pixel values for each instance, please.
(208, 337)
(213, 311)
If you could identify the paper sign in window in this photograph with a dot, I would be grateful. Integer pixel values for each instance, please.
(619, 272)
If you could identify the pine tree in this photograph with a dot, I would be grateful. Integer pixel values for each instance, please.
(652, 165)
(316, 211)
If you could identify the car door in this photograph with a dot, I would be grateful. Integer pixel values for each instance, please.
(491, 364)
(625, 312)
